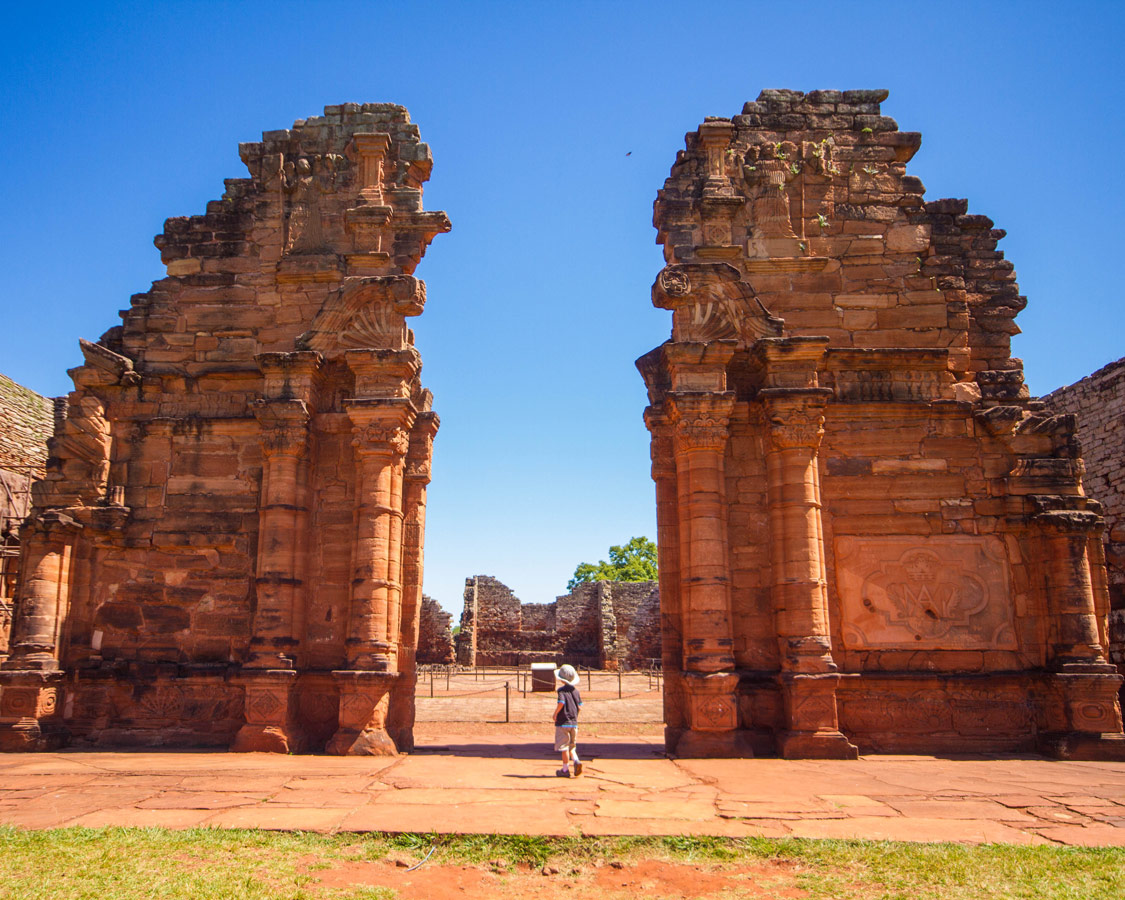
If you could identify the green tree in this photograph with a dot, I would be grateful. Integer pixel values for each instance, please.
(635, 561)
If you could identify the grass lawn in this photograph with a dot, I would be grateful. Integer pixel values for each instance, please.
(126, 863)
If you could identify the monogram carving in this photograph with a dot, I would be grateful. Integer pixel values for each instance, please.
(942, 592)
(675, 282)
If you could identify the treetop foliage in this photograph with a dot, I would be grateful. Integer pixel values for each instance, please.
(633, 561)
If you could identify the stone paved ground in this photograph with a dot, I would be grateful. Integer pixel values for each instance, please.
(496, 778)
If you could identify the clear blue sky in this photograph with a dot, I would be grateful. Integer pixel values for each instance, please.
(116, 116)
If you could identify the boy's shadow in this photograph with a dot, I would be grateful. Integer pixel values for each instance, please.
(544, 750)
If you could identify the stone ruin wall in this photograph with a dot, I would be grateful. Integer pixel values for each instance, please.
(601, 625)
(26, 421)
(254, 429)
(435, 637)
(870, 535)
(1098, 402)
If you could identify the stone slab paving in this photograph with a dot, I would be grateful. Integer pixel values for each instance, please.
(490, 782)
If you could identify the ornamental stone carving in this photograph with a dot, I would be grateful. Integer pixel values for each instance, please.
(382, 438)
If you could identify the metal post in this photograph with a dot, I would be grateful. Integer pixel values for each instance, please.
(507, 702)
(431, 683)
(589, 680)
(447, 671)
(618, 684)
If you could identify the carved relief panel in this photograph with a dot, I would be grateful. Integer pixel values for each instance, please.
(947, 592)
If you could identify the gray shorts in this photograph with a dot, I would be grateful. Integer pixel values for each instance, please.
(565, 738)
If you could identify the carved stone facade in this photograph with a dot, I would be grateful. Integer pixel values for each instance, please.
(1098, 401)
(26, 421)
(870, 536)
(227, 547)
(602, 625)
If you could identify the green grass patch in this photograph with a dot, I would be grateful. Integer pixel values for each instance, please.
(128, 863)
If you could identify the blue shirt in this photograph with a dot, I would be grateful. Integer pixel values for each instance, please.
(571, 701)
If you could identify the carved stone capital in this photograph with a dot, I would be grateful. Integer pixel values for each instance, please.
(284, 427)
(701, 422)
(796, 420)
(381, 427)
(382, 438)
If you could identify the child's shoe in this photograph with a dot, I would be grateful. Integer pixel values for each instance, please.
(577, 769)
(564, 772)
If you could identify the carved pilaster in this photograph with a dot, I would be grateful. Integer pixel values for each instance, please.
(1076, 641)
(381, 441)
(43, 598)
(700, 424)
(668, 563)
(282, 522)
(400, 720)
(794, 411)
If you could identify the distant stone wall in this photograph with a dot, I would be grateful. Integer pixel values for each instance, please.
(435, 637)
(1098, 400)
(601, 624)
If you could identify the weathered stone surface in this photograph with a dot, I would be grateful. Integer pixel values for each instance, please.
(869, 534)
(227, 546)
(603, 625)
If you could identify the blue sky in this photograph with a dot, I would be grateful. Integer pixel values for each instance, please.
(117, 116)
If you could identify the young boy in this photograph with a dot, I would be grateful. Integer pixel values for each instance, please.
(566, 720)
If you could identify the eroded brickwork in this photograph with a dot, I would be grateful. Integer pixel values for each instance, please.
(227, 547)
(1098, 402)
(602, 625)
(435, 637)
(870, 536)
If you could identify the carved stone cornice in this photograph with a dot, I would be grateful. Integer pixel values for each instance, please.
(701, 421)
(796, 418)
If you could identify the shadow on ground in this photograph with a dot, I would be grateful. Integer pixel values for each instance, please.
(589, 750)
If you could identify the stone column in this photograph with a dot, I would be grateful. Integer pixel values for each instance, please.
(31, 677)
(668, 564)
(400, 722)
(269, 675)
(700, 424)
(1085, 681)
(800, 598)
(381, 442)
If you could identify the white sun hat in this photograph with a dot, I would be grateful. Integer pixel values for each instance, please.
(567, 675)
